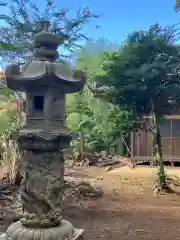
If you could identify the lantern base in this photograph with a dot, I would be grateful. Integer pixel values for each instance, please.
(17, 231)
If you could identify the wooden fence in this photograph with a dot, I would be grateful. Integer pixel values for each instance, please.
(141, 145)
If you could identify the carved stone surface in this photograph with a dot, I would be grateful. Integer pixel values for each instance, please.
(42, 139)
(58, 107)
(38, 72)
(42, 188)
(65, 231)
(43, 71)
(46, 134)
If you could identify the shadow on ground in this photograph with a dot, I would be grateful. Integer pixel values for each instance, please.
(128, 210)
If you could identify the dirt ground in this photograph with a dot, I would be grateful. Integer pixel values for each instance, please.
(128, 210)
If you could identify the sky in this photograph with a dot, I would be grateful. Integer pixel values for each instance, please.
(120, 17)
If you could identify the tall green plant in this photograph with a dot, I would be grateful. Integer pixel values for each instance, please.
(10, 122)
(143, 77)
(100, 123)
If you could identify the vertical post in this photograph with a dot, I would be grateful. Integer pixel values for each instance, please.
(138, 143)
(132, 144)
(151, 136)
(172, 162)
(132, 148)
(171, 140)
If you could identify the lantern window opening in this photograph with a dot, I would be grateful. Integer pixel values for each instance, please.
(38, 103)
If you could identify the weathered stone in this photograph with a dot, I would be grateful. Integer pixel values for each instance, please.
(42, 140)
(64, 231)
(42, 188)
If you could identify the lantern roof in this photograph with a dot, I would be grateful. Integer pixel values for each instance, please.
(44, 70)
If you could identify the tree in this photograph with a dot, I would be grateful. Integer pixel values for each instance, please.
(99, 124)
(23, 21)
(177, 5)
(114, 123)
(80, 120)
(143, 78)
(90, 56)
(89, 60)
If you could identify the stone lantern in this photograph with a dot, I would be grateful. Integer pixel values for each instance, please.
(42, 139)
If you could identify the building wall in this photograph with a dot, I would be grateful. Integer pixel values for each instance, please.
(170, 136)
(170, 133)
(170, 128)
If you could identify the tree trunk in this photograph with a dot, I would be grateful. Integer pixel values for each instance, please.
(159, 155)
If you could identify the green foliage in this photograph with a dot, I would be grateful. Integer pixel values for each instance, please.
(6, 94)
(177, 5)
(22, 22)
(90, 57)
(7, 121)
(9, 126)
(98, 122)
(9, 115)
(143, 79)
(144, 75)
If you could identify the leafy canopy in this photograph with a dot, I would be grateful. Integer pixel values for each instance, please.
(22, 21)
(177, 5)
(143, 76)
(101, 123)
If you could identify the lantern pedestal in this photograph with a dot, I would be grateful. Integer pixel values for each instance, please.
(17, 231)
